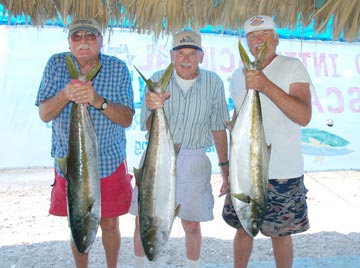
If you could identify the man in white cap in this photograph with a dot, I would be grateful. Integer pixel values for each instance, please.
(284, 87)
(111, 108)
(196, 110)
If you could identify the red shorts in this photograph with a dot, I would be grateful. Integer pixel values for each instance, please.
(116, 191)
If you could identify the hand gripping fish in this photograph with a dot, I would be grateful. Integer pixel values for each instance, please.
(156, 179)
(81, 170)
(249, 156)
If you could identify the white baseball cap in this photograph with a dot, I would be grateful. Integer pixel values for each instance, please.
(259, 23)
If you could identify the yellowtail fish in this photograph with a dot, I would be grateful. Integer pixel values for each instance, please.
(249, 157)
(156, 179)
(81, 170)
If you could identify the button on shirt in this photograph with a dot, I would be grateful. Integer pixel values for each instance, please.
(113, 82)
(194, 114)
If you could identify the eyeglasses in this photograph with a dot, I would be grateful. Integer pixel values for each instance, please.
(89, 36)
(192, 55)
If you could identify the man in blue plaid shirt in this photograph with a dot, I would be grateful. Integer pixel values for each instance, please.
(110, 99)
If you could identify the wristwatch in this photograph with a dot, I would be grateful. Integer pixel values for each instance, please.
(104, 105)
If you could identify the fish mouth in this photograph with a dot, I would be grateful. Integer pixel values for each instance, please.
(153, 241)
(256, 227)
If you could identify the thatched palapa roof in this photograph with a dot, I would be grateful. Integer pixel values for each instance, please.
(166, 16)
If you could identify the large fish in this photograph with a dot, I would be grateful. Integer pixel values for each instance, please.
(249, 157)
(156, 179)
(81, 170)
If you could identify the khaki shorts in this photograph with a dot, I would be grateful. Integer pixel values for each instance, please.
(286, 209)
(193, 188)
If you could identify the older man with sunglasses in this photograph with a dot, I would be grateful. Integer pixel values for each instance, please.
(110, 103)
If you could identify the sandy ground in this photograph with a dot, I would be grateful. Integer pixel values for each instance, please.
(30, 237)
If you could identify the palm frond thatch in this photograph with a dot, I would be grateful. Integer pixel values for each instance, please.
(166, 16)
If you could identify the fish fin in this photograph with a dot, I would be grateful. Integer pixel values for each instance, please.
(177, 209)
(242, 197)
(164, 81)
(93, 72)
(90, 206)
(138, 175)
(269, 149)
(73, 71)
(149, 83)
(257, 64)
(244, 57)
(259, 61)
(62, 162)
(230, 124)
(177, 149)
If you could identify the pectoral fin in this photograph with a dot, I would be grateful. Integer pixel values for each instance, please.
(242, 197)
(177, 209)
(62, 162)
(149, 83)
(138, 172)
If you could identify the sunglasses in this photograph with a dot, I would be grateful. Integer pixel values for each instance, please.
(89, 36)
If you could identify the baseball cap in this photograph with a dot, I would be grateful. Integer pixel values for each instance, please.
(89, 25)
(259, 23)
(187, 39)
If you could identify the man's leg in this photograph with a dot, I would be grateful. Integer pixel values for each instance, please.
(81, 260)
(283, 251)
(243, 245)
(111, 240)
(138, 248)
(192, 241)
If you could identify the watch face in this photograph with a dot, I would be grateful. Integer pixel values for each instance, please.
(104, 105)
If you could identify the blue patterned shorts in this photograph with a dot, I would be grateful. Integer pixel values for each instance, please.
(286, 209)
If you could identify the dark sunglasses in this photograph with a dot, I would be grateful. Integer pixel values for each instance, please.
(89, 36)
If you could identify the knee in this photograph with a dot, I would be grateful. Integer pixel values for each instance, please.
(109, 224)
(191, 227)
(287, 240)
(242, 235)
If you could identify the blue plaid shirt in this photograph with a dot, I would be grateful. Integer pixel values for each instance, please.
(113, 82)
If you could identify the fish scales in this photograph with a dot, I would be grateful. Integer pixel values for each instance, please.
(249, 159)
(156, 180)
(83, 179)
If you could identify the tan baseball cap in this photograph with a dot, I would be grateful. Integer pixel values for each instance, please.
(89, 25)
(187, 39)
(259, 23)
